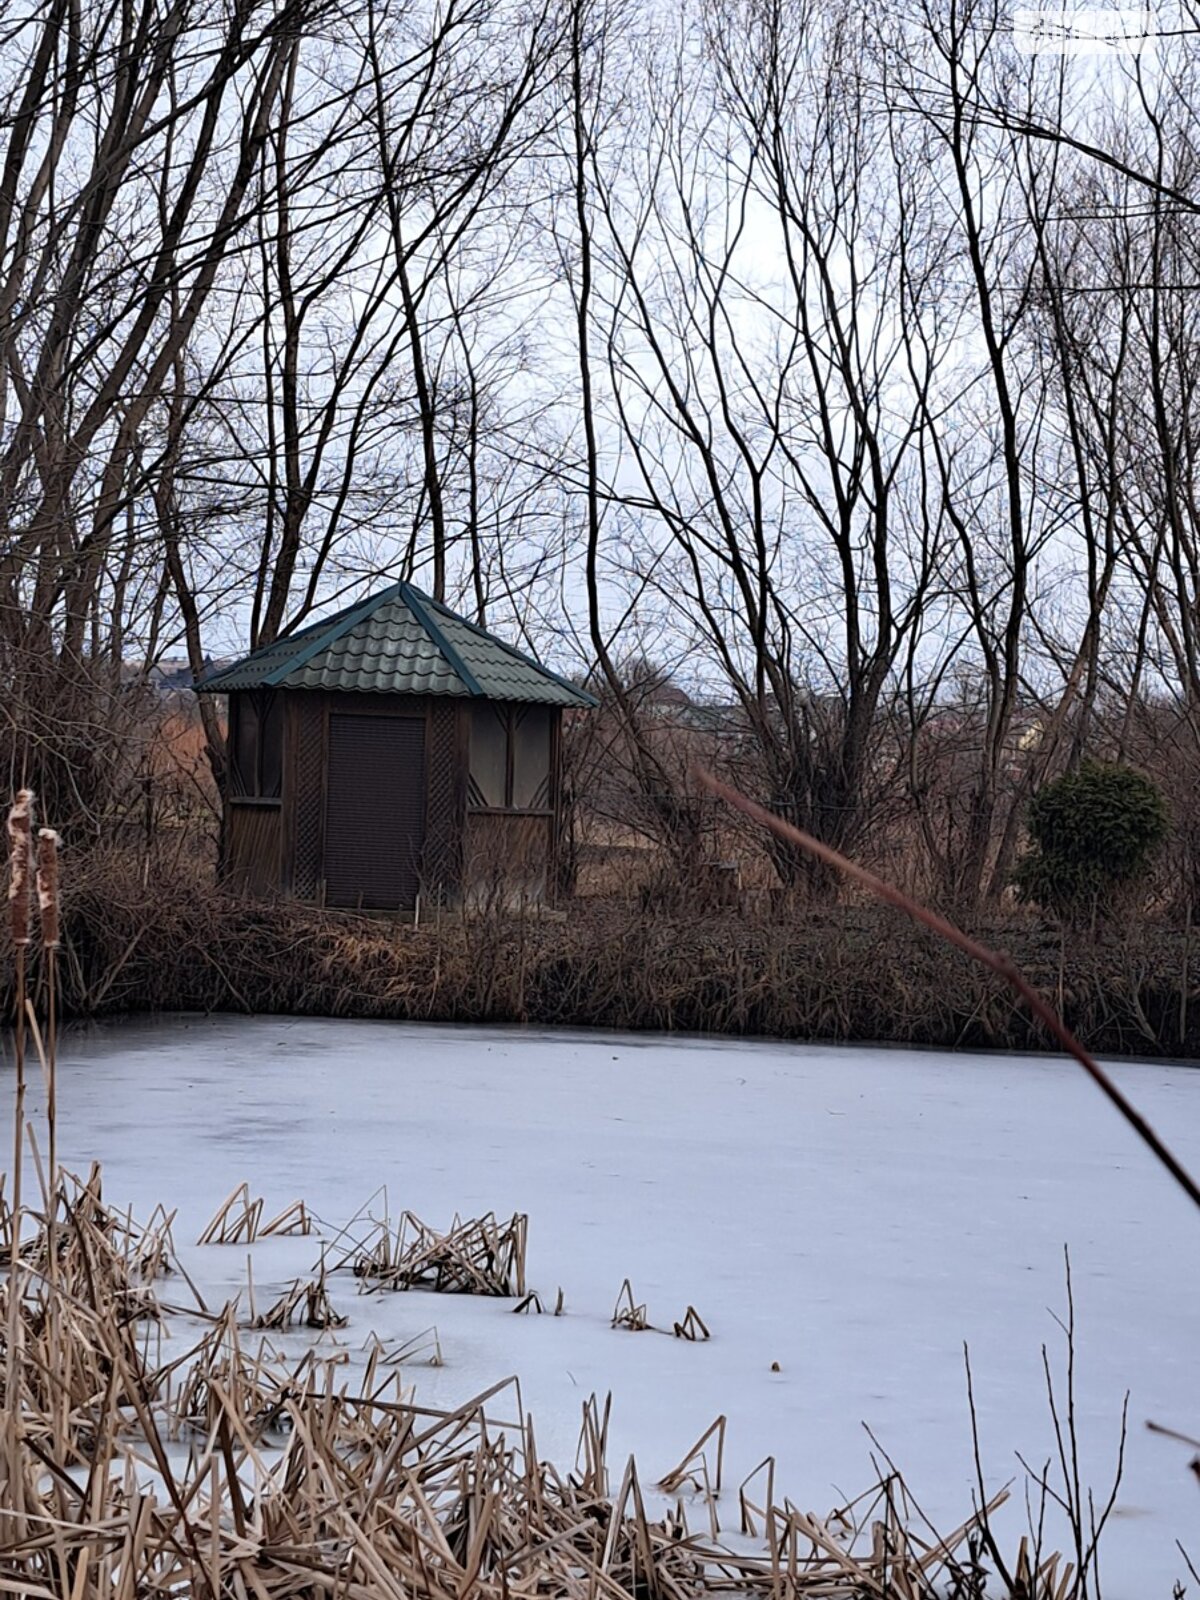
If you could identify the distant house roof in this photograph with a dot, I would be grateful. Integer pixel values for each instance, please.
(397, 641)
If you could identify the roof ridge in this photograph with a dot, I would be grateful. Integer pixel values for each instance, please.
(436, 659)
(309, 627)
(320, 625)
(492, 638)
(339, 625)
(416, 602)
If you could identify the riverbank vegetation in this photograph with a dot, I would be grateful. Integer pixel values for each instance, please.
(634, 940)
(165, 938)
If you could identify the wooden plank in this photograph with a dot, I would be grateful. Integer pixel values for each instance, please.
(253, 838)
(507, 856)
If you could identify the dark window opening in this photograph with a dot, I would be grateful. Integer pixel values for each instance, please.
(256, 746)
(510, 758)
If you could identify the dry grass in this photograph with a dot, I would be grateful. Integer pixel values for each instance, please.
(232, 1471)
(841, 973)
(479, 1256)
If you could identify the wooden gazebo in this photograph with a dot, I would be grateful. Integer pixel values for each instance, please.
(391, 756)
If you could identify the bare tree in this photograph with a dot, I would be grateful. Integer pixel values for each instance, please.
(767, 417)
(132, 139)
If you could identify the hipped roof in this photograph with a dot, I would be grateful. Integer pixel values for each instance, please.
(397, 641)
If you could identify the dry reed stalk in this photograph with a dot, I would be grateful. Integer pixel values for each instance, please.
(425, 1347)
(20, 866)
(230, 1226)
(994, 960)
(692, 1326)
(290, 1488)
(749, 1510)
(307, 1304)
(293, 1219)
(592, 1450)
(695, 1460)
(479, 1256)
(49, 913)
(628, 1315)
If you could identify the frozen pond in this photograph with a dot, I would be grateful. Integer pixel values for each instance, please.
(854, 1216)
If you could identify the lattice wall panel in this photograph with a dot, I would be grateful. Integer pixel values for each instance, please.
(309, 795)
(442, 826)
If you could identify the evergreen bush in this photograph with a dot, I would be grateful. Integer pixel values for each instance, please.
(1093, 833)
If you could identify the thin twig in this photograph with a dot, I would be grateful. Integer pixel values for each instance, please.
(993, 959)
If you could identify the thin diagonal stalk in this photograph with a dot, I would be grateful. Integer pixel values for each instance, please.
(995, 960)
(48, 908)
(20, 836)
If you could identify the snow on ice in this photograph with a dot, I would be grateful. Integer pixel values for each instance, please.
(844, 1220)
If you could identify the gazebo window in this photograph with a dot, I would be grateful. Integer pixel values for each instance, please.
(510, 757)
(256, 746)
(489, 756)
(531, 759)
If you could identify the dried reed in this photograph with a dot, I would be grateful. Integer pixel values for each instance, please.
(20, 870)
(305, 1304)
(479, 1256)
(49, 913)
(238, 1220)
(268, 1481)
(20, 864)
(691, 1326)
(627, 1314)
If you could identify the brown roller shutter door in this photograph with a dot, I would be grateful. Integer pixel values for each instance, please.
(374, 811)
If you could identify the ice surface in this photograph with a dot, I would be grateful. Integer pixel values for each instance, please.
(854, 1215)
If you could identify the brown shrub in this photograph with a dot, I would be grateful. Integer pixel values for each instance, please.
(154, 934)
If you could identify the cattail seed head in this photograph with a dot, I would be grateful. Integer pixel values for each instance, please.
(47, 885)
(20, 865)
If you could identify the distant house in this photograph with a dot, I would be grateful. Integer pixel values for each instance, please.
(390, 755)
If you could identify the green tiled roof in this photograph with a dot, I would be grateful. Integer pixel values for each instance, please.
(398, 641)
